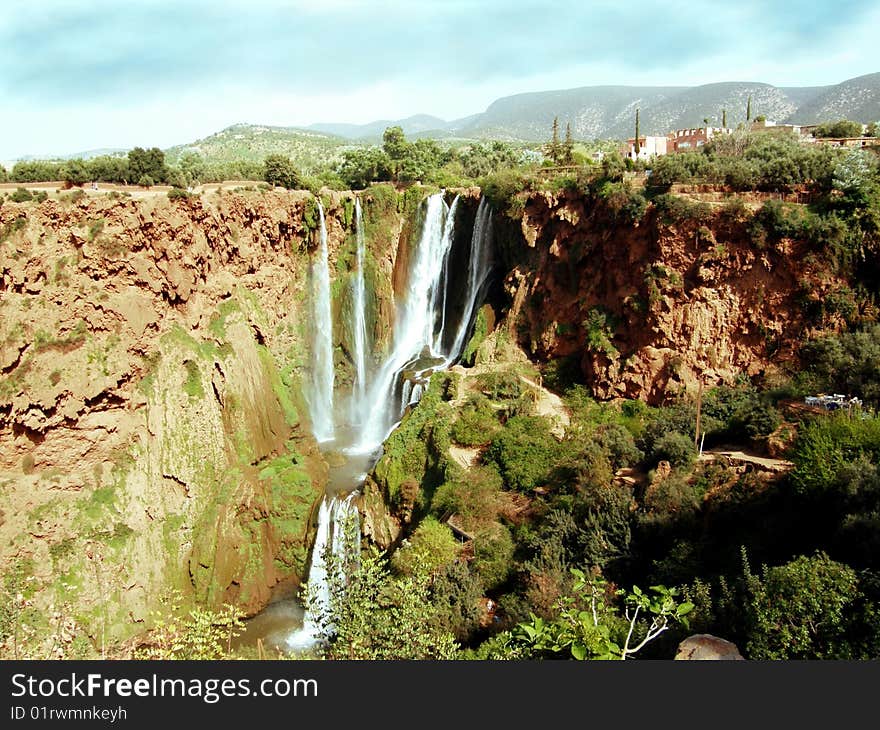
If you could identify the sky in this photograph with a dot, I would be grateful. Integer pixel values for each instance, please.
(77, 75)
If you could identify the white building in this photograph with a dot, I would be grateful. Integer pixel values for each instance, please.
(648, 147)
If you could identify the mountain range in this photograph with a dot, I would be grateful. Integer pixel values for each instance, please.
(609, 111)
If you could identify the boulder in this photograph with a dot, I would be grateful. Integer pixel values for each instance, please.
(707, 647)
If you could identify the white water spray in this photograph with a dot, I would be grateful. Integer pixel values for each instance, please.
(320, 400)
(337, 535)
(359, 317)
(479, 267)
(414, 327)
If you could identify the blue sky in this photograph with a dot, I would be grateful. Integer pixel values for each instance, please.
(84, 74)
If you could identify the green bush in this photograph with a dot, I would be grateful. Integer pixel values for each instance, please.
(475, 497)
(477, 422)
(677, 209)
(501, 189)
(525, 452)
(500, 384)
(493, 555)
(457, 597)
(803, 610)
(676, 448)
(846, 363)
(21, 195)
(180, 194)
(430, 548)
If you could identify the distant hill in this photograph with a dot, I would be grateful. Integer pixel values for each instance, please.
(412, 126)
(252, 142)
(609, 111)
(87, 155)
(857, 99)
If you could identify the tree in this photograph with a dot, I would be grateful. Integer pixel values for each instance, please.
(4, 176)
(147, 163)
(394, 143)
(638, 146)
(568, 146)
(554, 148)
(279, 170)
(802, 610)
(873, 130)
(193, 167)
(362, 166)
(374, 615)
(724, 118)
(108, 169)
(74, 172)
(749, 109)
(592, 624)
(840, 128)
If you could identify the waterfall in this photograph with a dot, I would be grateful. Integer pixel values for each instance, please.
(359, 324)
(479, 267)
(320, 400)
(415, 324)
(448, 234)
(337, 535)
(377, 407)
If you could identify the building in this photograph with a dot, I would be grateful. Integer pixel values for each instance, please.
(648, 147)
(687, 140)
(851, 142)
(765, 126)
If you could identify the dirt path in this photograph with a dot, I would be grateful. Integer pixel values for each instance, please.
(775, 465)
(464, 457)
(551, 406)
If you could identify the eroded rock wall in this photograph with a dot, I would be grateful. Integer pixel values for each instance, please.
(650, 308)
(152, 430)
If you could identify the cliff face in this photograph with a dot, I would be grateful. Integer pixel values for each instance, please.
(648, 309)
(152, 431)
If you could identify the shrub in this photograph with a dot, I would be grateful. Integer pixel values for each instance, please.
(525, 452)
(145, 181)
(431, 547)
(21, 195)
(676, 448)
(180, 194)
(500, 384)
(493, 555)
(802, 610)
(676, 209)
(840, 128)
(456, 594)
(501, 189)
(477, 423)
(846, 363)
(476, 498)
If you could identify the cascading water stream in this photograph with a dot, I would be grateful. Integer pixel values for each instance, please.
(320, 399)
(479, 267)
(337, 534)
(359, 317)
(414, 328)
(378, 406)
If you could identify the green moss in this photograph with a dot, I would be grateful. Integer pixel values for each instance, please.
(193, 385)
(418, 448)
(292, 495)
(481, 330)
